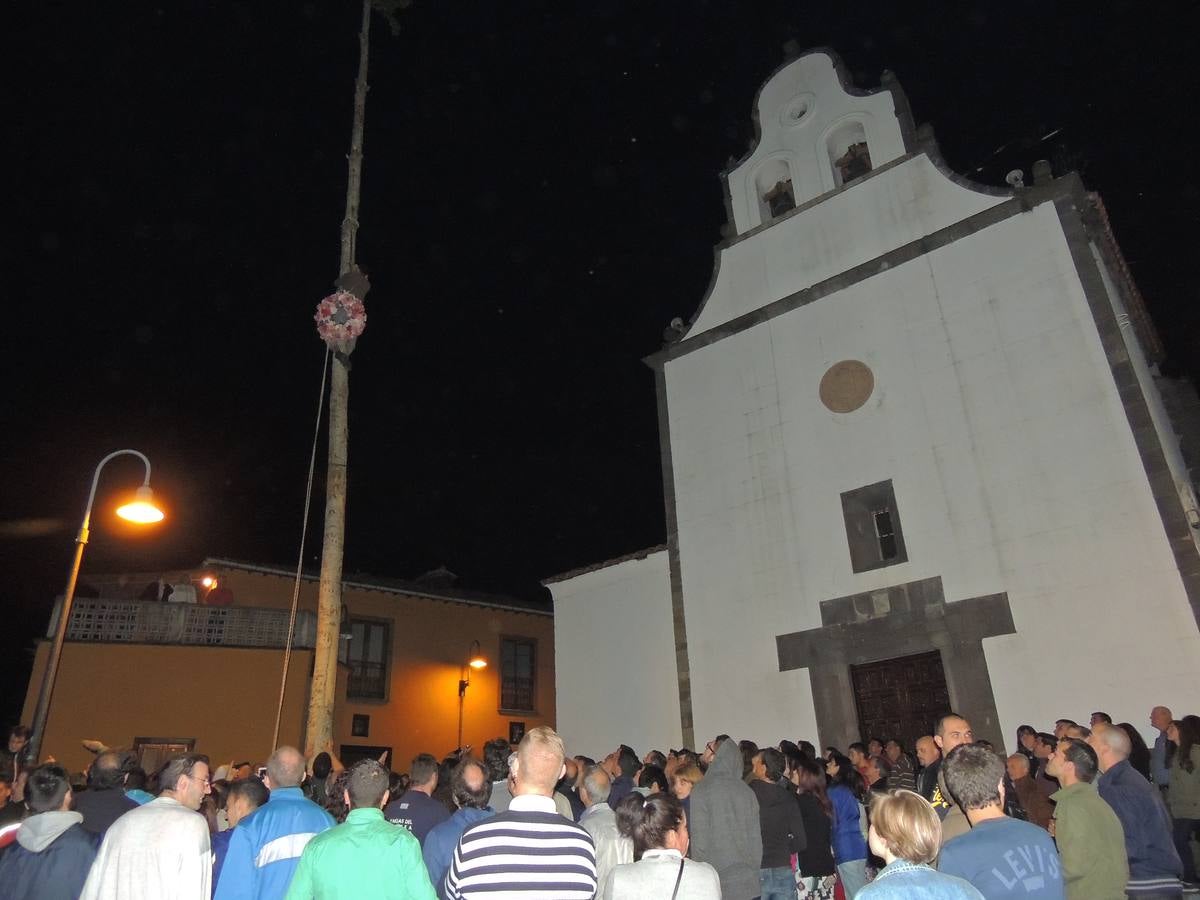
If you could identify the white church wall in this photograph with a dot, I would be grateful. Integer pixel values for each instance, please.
(866, 220)
(614, 658)
(996, 417)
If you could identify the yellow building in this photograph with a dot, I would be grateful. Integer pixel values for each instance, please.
(202, 669)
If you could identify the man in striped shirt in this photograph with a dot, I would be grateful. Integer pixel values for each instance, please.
(529, 851)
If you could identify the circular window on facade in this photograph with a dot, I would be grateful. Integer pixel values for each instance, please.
(798, 109)
(846, 386)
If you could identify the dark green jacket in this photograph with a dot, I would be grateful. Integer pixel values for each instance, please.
(1183, 797)
(1091, 844)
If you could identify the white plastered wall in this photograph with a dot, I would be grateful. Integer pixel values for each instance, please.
(614, 658)
(866, 220)
(996, 417)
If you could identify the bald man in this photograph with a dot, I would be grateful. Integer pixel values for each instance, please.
(930, 758)
(1154, 865)
(265, 848)
(951, 731)
(1160, 718)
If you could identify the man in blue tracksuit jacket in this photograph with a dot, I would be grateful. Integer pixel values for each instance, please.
(266, 845)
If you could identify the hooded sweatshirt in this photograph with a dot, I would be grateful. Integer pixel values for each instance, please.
(724, 825)
(50, 859)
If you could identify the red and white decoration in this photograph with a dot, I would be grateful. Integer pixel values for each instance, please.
(341, 318)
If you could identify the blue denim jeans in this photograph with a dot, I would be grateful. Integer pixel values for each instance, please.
(854, 876)
(777, 884)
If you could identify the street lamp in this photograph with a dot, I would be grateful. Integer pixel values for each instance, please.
(142, 511)
(474, 660)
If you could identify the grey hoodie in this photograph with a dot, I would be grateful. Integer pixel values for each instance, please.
(39, 832)
(724, 825)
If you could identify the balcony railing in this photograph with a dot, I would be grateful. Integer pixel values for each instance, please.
(367, 680)
(142, 622)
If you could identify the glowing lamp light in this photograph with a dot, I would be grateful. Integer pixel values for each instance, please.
(478, 662)
(208, 582)
(142, 510)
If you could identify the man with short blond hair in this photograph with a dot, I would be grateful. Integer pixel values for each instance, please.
(529, 851)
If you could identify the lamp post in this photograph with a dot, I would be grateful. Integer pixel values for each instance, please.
(474, 660)
(142, 511)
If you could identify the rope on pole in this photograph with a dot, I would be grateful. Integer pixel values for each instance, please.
(312, 464)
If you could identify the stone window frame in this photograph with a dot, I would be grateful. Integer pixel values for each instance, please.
(861, 511)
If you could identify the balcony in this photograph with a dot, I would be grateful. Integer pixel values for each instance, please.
(148, 622)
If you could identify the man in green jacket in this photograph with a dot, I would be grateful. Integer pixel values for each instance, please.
(1090, 839)
(366, 857)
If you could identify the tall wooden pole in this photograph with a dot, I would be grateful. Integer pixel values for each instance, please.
(319, 734)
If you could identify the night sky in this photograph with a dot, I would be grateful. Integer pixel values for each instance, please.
(540, 198)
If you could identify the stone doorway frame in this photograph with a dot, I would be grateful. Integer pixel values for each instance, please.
(902, 620)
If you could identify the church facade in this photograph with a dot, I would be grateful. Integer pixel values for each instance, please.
(914, 456)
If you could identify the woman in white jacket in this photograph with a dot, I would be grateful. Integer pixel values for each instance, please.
(658, 827)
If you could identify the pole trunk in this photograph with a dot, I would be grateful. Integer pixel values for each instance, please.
(319, 734)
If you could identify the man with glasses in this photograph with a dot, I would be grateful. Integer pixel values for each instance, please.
(160, 849)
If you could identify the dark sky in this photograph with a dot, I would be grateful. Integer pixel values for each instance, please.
(540, 199)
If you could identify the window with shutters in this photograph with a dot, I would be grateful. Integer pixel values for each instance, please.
(367, 652)
(518, 658)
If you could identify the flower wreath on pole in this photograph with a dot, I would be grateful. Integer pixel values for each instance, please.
(341, 318)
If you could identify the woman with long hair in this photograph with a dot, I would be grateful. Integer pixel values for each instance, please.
(658, 828)
(907, 834)
(1184, 796)
(1139, 753)
(816, 875)
(849, 834)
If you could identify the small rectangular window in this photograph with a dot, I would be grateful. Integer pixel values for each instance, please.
(873, 530)
(517, 681)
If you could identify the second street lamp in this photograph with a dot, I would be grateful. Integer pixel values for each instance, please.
(142, 511)
(475, 660)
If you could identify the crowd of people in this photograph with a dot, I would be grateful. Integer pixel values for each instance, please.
(1077, 813)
